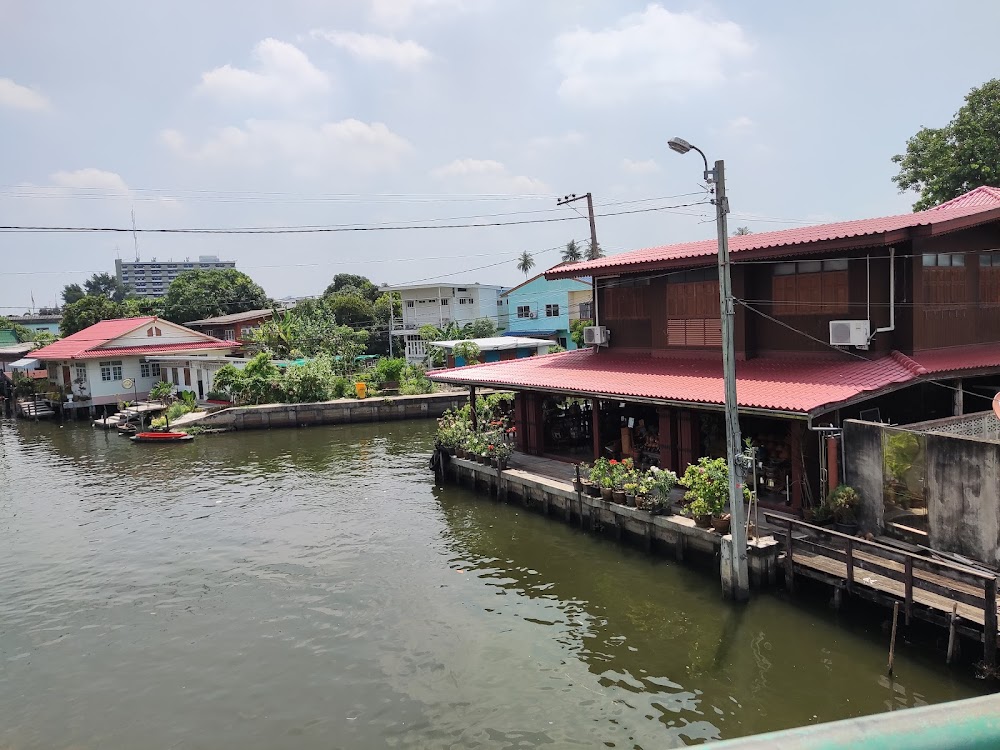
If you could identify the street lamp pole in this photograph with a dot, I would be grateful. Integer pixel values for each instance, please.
(737, 583)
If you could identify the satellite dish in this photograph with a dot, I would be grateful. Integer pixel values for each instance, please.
(996, 405)
(128, 383)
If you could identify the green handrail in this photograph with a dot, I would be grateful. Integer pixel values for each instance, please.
(971, 724)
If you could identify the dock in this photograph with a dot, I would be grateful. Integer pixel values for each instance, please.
(546, 485)
(959, 598)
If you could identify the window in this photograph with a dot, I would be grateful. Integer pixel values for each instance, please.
(81, 372)
(989, 259)
(523, 311)
(444, 302)
(229, 334)
(149, 369)
(810, 287)
(989, 277)
(552, 311)
(462, 289)
(111, 370)
(944, 260)
(409, 303)
(465, 300)
(587, 310)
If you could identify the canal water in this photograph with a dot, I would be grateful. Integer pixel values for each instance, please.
(315, 589)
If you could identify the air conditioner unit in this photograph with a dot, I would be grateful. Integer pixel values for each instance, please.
(596, 335)
(532, 315)
(850, 333)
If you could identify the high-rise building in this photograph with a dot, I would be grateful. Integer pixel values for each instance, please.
(150, 278)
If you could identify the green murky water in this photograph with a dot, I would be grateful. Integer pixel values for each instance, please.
(314, 589)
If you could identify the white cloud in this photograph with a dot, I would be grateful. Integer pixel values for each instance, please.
(649, 166)
(654, 52)
(302, 148)
(284, 73)
(90, 179)
(395, 13)
(16, 96)
(739, 125)
(376, 48)
(569, 138)
(488, 176)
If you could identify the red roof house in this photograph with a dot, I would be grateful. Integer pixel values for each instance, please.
(93, 364)
(895, 318)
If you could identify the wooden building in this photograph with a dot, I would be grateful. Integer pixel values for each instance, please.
(894, 319)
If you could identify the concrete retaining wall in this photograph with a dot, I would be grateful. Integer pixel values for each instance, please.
(343, 411)
(864, 470)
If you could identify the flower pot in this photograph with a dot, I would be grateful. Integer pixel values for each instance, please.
(722, 523)
(594, 490)
(577, 486)
(460, 452)
(846, 527)
(618, 496)
(704, 522)
(630, 500)
(607, 493)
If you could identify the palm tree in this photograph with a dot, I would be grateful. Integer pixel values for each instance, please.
(525, 263)
(594, 251)
(740, 231)
(572, 253)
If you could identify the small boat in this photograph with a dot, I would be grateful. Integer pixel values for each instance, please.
(161, 437)
(128, 428)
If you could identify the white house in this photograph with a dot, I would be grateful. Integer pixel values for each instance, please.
(439, 304)
(95, 363)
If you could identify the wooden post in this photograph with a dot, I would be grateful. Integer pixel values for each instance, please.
(850, 564)
(595, 427)
(908, 575)
(952, 639)
(892, 640)
(472, 407)
(789, 563)
(990, 624)
(679, 548)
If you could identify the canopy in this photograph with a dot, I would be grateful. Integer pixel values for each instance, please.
(25, 363)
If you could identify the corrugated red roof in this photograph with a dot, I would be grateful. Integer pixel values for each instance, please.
(88, 343)
(798, 386)
(91, 337)
(984, 202)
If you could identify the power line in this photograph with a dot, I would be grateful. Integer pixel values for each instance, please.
(330, 228)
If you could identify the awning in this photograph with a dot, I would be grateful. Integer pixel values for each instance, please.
(26, 363)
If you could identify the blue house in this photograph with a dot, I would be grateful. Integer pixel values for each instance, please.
(494, 349)
(544, 309)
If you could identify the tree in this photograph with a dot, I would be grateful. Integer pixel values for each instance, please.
(86, 311)
(347, 282)
(943, 163)
(576, 330)
(351, 309)
(481, 328)
(525, 263)
(21, 333)
(572, 253)
(72, 293)
(136, 307)
(106, 285)
(594, 251)
(467, 350)
(206, 293)
(742, 231)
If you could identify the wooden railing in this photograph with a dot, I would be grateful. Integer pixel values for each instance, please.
(957, 583)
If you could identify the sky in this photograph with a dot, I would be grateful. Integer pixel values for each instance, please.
(375, 113)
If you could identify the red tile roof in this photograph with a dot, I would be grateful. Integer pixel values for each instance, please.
(88, 343)
(977, 206)
(798, 386)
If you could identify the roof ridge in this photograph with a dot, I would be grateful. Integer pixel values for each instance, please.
(910, 364)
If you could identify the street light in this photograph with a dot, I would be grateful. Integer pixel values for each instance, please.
(738, 584)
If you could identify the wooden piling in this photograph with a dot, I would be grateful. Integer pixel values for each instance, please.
(850, 565)
(990, 623)
(789, 562)
(952, 635)
(908, 576)
(892, 640)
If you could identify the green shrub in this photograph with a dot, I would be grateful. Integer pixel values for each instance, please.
(390, 370)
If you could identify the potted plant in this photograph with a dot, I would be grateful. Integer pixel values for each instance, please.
(630, 489)
(499, 453)
(708, 489)
(844, 502)
(607, 489)
(701, 511)
(600, 471)
(585, 483)
(662, 483)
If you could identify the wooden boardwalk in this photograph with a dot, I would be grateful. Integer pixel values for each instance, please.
(960, 598)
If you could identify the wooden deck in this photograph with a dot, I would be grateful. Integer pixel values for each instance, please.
(961, 598)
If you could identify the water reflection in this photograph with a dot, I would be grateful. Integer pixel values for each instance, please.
(314, 588)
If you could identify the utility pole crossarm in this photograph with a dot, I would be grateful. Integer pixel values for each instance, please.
(572, 198)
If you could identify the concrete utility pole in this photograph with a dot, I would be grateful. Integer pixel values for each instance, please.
(572, 197)
(737, 583)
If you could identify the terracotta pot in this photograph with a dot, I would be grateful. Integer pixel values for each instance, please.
(577, 486)
(460, 452)
(618, 496)
(722, 523)
(607, 493)
(594, 490)
(704, 522)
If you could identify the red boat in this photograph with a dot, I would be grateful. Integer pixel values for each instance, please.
(161, 437)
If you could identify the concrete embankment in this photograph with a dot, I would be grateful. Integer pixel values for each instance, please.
(342, 411)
